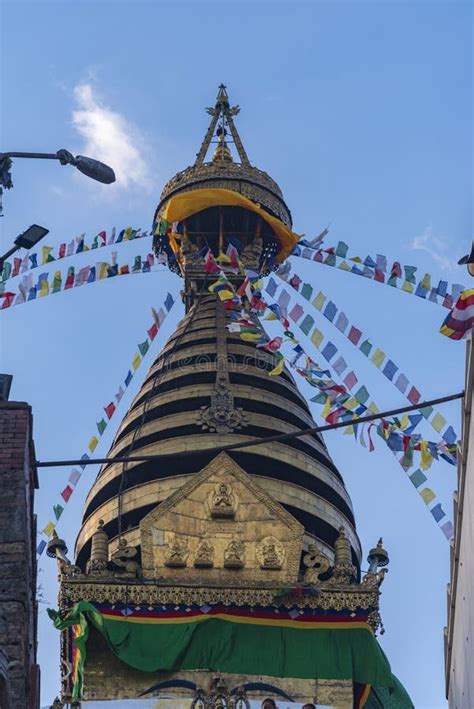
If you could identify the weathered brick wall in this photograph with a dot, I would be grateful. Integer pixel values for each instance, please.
(17, 558)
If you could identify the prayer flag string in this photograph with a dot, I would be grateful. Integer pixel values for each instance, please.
(376, 269)
(21, 264)
(101, 425)
(365, 345)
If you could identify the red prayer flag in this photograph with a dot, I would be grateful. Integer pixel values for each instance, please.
(379, 276)
(16, 266)
(413, 395)
(350, 380)
(124, 270)
(153, 331)
(210, 266)
(66, 493)
(7, 299)
(62, 251)
(354, 335)
(109, 410)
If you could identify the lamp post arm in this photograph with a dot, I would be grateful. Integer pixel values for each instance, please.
(6, 255)
(39, 156)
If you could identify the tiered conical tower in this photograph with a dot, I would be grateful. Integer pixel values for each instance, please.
(245, 564)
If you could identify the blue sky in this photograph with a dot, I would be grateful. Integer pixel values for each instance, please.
(360, 111)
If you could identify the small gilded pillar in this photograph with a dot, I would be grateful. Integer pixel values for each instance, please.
(99, 550)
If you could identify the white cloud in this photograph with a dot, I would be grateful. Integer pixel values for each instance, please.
(109, 137)
(436, 247)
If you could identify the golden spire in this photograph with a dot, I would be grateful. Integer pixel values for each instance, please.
(222, 113)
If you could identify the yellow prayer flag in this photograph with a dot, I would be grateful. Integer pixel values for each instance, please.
(49, 529)
(127, 233)
(373, 408)
(279, 367)
(348, 430)
(428, 495)
(426, 457)
(351, 403)
(438, 422)
(250, 336)
(426, 281)
(408, 287)
(404, 422)
(93, 443)
(356, 259)
(45, 251)
(270, 316)
(104, 267)
(378, 357)
(317, 337)
(318, 302)
(223, 258)
(136, 361)
(327, 408)
(344, 266)
(225, 294)
(44, 290)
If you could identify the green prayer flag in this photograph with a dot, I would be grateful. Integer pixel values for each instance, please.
(101, 426)
(307, 324)
(58, 510)
(144, 347)
(306, 291)
(417, 478)
(365, 348)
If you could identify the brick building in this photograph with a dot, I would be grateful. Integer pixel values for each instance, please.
(19, 673)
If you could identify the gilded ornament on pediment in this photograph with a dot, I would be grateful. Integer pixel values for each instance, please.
(270, 553)
(204, 556)
(316, 564)
(234, 555)
(222, 501)
(176, 553)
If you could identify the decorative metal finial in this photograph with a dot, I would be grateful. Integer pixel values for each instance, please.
(223, 114)
(57, 548)
(377, 557)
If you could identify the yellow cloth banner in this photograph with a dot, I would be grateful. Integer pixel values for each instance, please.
(187, 203)
(49, 529)
(438, 422)
(317, 337)
(278, 369)
(378, 357)
(93, 443)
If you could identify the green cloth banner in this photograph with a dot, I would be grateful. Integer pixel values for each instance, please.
(226, 645)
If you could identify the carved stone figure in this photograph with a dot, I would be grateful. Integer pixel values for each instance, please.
(177, 553)
(234, 555)
(204, 558)
(123, 558)
(316, 564)
(270, 553)
(222, 501)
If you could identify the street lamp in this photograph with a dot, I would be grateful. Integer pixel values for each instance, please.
(29, 238)
(468, 260)
(94, 169)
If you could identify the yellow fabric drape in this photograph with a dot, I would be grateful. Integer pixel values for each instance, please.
(187, 203)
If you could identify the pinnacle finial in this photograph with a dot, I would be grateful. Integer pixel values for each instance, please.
(222, 97)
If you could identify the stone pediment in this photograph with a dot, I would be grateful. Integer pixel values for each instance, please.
(221, 527)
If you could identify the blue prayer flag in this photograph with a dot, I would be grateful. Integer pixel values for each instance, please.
(41, 547)
(128, 378)
(329, 351)
(330, 311)
(438, 512)
(449, 435)
(390, 369)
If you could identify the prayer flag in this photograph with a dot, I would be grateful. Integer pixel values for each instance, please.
(57, 282)
(378, 357)
(448, 530)
(342, 322)
(84, 457)
(330, 311)
(362, 395)
(33, 260)
(340, 365)
(344, 266)
(426, 457)
(136, 361)
(280, 363)
(438, 512)
(390, 369)
(110, 409)
(210, 265)
(341, 249)
(144, 347)
(306, 291)
(58, 510)
(296, 312)
(418, 478)
(271, 287)
(295, 281)
(365, 347)
(137, 264)
(74, 476)
(129, 377)
(49, 529)
(41, 547)
(426, 282)
(449, 435)
(381, 262)
(119, 394)
(350, 380)
(317, 337)
(442, 288)
(438, 422)
(46, 254)
(329, 351)
(379, 276)
(16, 266)
(283, 300)
(410, 274)
(460, 320)
(66, 493)
(354, 335)
(153, 331)
(307, 324)
(413, 395)
(401, 383)
(169, 302)
(92, 445)
(319, 300)
(427, 495)
(101, 426)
